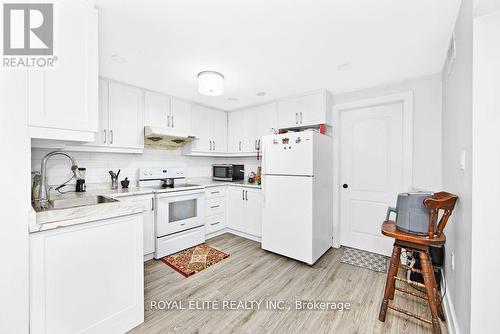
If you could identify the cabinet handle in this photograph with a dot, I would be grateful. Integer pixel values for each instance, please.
(104, 134)
(243, 194)
(301, 117)
(214, 207)
(240, 145)
(172, 120)
(111, 136)
(215, 192)
(152, 204)
(168, 121)
(246, 195)
(216, 223)
(210, 145)
(214, 145)
(296, 118)
(258, 146)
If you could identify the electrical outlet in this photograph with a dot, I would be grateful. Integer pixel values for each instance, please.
(462, 160)
(452, 261)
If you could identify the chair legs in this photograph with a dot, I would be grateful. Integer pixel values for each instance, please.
(432, 295)
(390, 282)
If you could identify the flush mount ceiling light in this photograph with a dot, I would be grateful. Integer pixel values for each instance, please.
(210, 83)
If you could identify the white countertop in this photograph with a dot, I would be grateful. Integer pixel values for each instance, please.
(51, 219)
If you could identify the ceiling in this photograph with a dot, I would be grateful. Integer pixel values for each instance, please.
(280, 47)
(485, 7)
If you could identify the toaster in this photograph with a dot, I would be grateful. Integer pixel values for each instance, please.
(411, 214)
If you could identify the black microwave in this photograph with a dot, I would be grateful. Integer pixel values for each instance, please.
(228, 172)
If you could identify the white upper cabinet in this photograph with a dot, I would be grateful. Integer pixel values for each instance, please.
(63, 100)
(180, 115)
(210, 127)
(218, 130)
(156, 109)
(167, 112)
(126, 116)
(247, 126)
(305, 110)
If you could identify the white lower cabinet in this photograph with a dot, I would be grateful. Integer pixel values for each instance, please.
(244, 210)
(87, 278)
(146, 201)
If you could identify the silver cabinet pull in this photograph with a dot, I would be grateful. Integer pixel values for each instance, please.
(172, 120)
(104, 134)
(258, 146)
(301, 117)
(210, 145)
(216, 223)
(152, 204)
(246, 195)
(214, 207)
(111, 137)
(296, 118)
(240, 146)
(215, 192)
(214, 145)
(243, 194)
(168, 121)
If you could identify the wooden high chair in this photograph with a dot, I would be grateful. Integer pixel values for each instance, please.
(421, 244)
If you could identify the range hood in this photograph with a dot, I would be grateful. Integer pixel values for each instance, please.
(165, 138)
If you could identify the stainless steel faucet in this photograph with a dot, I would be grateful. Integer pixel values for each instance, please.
(43, 197)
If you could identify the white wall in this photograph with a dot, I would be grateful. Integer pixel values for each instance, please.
(98, 164)
(485, 295)
(457, 137)
(15, 203)
(426, 128)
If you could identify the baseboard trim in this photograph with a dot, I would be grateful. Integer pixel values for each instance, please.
(449, 310)
(234, 232)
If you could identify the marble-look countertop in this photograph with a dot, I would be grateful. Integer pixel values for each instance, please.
(51, 219)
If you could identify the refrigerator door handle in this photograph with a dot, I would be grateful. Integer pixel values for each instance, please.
(243, 195)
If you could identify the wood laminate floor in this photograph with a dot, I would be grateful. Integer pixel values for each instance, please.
(252, 274)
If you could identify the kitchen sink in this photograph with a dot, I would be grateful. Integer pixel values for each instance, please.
(68, 203)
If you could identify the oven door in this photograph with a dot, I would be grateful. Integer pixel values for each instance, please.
(176, 212)
(223, 173)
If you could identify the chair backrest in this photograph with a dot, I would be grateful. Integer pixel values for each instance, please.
(440, 201)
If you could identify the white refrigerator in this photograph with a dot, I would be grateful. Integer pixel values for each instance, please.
(297, 189)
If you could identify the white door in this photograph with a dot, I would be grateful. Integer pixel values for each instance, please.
(371, 173)
(253, 222)
(66, 96)
(218, 130)
(180, 118)
(126, 116)
(157, 109)
(236, 122)
(288, 113)
(235, 209)
(201, 128)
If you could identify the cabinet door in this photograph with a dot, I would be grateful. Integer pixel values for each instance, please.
(288, 113)
(66, 97)
(268, 120)
(218, 130)
(126, 122)
(312, 109)
(235, 209)
(102, 135)
(252, 212)
(201, 128)
(180, 118)
(236, 129)
(148, 220)
(156, 109)
(251, 132)
(87, 278)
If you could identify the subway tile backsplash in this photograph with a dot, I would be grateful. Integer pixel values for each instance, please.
(98, 164)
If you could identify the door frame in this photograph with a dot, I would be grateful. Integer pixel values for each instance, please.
(407, 99)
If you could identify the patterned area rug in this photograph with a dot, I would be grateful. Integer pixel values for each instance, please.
(192, 260)
(363, 259)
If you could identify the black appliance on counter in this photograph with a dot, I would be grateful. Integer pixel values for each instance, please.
(228, 172)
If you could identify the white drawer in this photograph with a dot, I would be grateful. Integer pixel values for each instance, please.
(215, 206)
(179, 241)
(215, 192)
(215, 223)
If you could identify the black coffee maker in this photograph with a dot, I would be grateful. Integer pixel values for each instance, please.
(80, 183)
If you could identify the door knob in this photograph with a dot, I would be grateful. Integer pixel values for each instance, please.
(345, 186)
